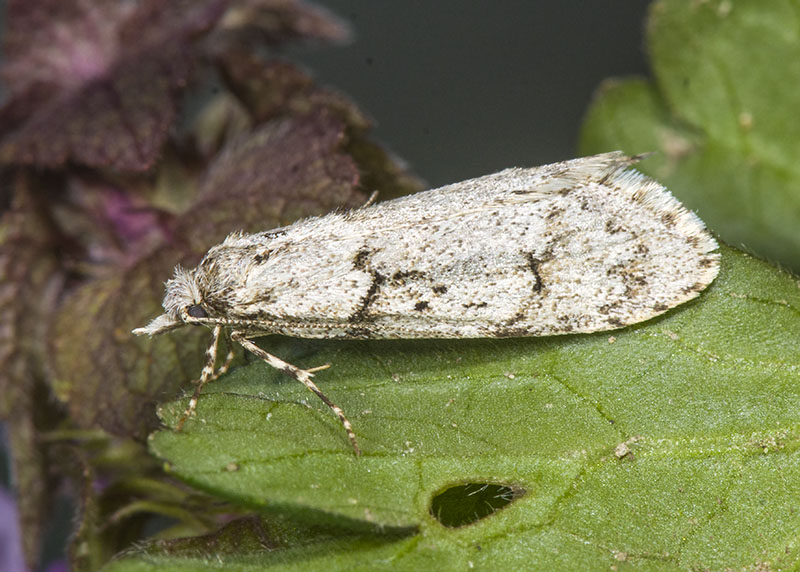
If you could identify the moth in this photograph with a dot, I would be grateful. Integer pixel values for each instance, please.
(579, 246)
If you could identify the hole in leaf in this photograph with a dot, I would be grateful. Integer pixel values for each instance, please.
(465, 504)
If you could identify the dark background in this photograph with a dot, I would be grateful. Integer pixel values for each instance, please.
(463, 88)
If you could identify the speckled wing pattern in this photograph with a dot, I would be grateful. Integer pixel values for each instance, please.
(579, 246)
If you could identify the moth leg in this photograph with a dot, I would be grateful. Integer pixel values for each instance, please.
(318, 368)
(223, 369)
(208, 374)
(304, 377)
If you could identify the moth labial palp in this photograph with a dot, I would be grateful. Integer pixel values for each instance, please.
(580, 246)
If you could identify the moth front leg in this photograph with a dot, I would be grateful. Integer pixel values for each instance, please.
(303, 376)
(208, 374)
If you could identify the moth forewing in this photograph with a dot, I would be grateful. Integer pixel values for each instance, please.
(574, 247)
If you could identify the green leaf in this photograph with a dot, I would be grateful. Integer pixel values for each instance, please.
(720, 112)
(664, 445)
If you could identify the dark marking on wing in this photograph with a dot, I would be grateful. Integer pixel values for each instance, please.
(634, 284)
(361, 258)
(606, 309)
(261, 257)
(707, 262)
(516, 318)
(617, 269)
(361, 314)
(403, 276)
(512, 333)
(475, 305)
(613, 227)
(696, 287)
(533, 266)
(566, 323)
(264, 296)
(422, 305)
(439, 289)
(615, 321)
(509, 328)
(273, 233)
(359, 333)
(605, 178)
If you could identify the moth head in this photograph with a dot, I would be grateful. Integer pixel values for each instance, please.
(182, 305)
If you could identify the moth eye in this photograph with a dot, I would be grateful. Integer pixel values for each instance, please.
(196, 311)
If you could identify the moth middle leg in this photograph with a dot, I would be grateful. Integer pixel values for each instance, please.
(303, 376)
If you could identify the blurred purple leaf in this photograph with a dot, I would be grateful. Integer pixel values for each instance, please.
(105, 74)
(60, 44)
(111, 225)
(30, 281)
(278, 21)
(272, 88)
(11, 559)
